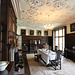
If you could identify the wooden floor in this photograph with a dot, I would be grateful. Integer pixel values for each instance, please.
(68, 66)
(26, 66)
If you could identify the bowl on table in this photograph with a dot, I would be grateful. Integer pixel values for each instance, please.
(3, 65)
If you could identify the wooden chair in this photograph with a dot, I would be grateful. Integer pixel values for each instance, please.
(57, 61)
(36, 56)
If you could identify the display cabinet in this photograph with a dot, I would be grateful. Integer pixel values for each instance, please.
(34, 45)
(36, 42)
(18, 41)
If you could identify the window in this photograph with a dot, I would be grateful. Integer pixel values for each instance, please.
(59, 39)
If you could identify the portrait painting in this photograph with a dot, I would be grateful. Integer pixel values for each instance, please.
(39, 32)
(23, 32)
(72, 27)
(46, 33)
(31, 32)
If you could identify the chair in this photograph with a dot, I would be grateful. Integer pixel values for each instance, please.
(57, 61)
(36, 56)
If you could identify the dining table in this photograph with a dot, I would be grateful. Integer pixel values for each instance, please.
(47, 55)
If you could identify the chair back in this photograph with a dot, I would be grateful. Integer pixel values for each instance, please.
(58, 54)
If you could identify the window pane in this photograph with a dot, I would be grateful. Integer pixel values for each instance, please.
(60, 43)
(63, 43)
(56, 41)
(63, 32)
(60, 32)
(57, 33)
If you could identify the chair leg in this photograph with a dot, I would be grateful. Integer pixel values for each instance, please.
(60, 65)
(55, 66)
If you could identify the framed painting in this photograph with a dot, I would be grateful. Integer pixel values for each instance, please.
(46, 33)
(31, 32)
(72, 27)
(23, 32)
(39, 32)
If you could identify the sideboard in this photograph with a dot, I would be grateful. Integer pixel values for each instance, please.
(69, 53)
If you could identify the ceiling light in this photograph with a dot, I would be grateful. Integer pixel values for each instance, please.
(48, 26)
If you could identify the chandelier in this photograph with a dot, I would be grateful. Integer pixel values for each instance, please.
(48, 26)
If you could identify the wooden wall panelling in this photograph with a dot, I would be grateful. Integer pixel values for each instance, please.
(0, 33)
(70, 40)
(0, 43)
(11, 23)
(50, 42)
(44, 39)
(8, 18)
(4, 9)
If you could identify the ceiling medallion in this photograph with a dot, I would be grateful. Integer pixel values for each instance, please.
(49, 2)
(70, 9)
(73, 8)
(32, 11)
(58, 4)
(36, 3)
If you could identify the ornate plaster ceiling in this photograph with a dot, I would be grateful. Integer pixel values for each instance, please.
(34, 13)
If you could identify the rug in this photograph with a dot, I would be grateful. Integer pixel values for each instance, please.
(39, 68)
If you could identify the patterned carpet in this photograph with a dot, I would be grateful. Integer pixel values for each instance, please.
(38, 68)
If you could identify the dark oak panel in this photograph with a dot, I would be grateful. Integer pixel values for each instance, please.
(43, 39)
(8, 22)
(4, 28)
(70, 53)
(70, 40)
(0, 32)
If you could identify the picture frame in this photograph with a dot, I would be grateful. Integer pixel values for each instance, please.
(23, 32)
(31, 32)
(46, 33)
(39, 32)
(72, 27)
